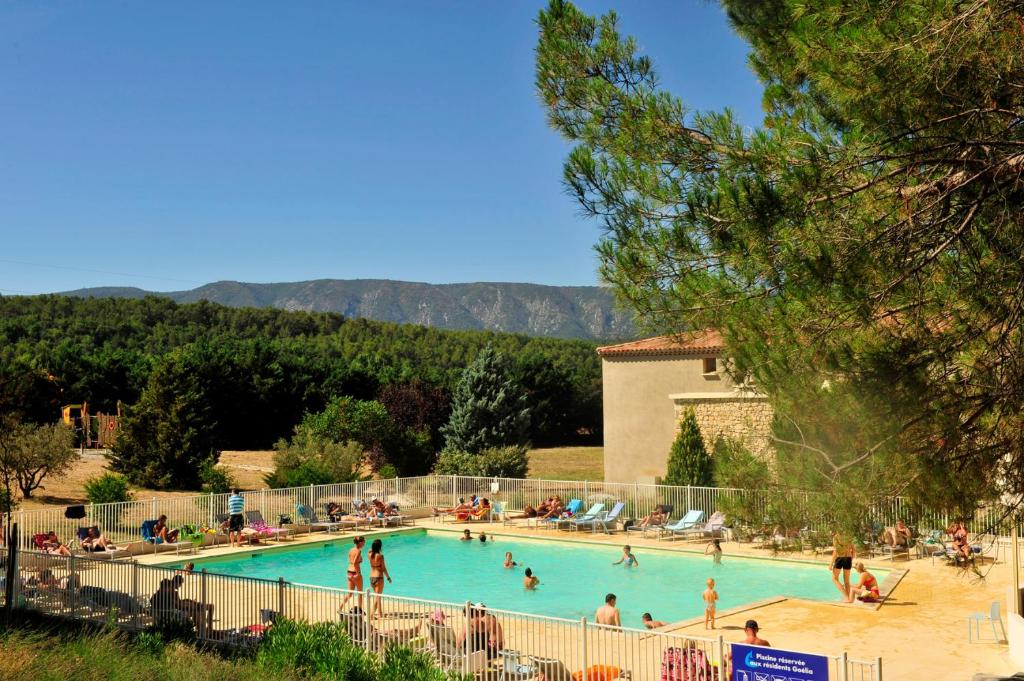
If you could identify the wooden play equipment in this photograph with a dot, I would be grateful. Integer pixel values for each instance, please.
(95, 431)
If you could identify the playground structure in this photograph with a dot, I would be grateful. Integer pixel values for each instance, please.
(97, 431)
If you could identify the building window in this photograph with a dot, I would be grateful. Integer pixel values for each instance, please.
(710, 365)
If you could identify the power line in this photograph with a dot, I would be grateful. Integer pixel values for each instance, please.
(94, 271)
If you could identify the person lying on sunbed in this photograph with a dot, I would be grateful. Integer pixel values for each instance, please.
(656, 517)
(462, 507)
(53, 545)
(898, 535)
(554, 509)
(334, 512)
(161, 531)
(531, 512)
(94, 541)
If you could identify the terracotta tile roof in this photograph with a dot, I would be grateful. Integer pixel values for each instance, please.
(706, 342)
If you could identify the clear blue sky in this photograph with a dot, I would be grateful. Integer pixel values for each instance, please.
(165, 145)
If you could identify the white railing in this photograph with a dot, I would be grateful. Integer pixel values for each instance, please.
(235, 610)
(121, 522)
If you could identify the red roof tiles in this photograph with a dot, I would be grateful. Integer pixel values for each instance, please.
(706, 342)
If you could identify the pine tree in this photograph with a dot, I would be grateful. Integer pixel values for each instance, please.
(489, 408)
(688, 460)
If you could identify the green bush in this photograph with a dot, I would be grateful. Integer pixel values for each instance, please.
(306, 459)
(387, 471)
(215, 480)
(496, 462)
(109, 488)
(7, 504)
(688, 460)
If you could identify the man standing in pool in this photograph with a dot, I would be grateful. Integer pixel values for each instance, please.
(608, 613)
(354, 573)
(843, 554)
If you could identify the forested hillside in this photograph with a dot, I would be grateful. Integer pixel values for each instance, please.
(265, 368)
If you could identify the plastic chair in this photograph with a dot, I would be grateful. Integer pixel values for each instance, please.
(975, 621)
(513, 668)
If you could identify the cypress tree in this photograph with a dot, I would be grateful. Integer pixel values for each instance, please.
(688, 460)
(489, 408)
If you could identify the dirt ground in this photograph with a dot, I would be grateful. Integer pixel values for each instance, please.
(249, 467)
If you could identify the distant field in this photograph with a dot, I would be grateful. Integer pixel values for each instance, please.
(249, 467)
(568, 463)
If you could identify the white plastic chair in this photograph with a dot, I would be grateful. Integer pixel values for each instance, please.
(975, 621)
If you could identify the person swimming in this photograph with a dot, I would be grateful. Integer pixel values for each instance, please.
(483, 537)
(627, 557)
(530, 580)
(509, 563)
(715, 549)
(466, 536)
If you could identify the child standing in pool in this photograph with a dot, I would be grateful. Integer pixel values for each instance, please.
(530, 580)
(466, 536)
(627, 557)
(715, 549)
(509, 563)
(710, 599)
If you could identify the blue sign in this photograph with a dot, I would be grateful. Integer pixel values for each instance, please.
(757, 663)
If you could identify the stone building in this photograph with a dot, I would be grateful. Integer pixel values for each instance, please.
(649, 384)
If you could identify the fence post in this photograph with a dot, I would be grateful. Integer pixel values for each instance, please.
(366, 623)
(586, 490)
(689, 498)
(844, 672)
(280, 596)
(451, 499)
(135, 593)
(636, 500)
(152, 508)
(73, 586)
(202, 599)
(878, 669)
(583, 645)
(467, 644)
(723, 673)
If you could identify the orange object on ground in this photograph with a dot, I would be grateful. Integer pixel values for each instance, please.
(599, 672)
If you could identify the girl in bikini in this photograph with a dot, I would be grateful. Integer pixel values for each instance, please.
(378, 571)
(354, 572)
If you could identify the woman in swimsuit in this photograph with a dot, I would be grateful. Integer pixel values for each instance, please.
(378, 571)
(958, 531)
(866, 588)
(843, 554)
(627, 557)
(354, 572)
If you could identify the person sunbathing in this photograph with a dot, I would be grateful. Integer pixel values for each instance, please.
(656, 517)
(333, 512)
(477, 513)
(94, 541)
(898, 535)
(462, 507)
(163, 533)
(958, 531)
(54, 546)
(531, 512)
(554, 510)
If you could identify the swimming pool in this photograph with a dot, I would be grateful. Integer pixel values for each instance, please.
(574, 576)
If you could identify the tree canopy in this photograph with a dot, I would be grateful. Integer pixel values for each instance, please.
(860, 249)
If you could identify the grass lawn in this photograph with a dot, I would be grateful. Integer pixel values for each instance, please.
(568, 463)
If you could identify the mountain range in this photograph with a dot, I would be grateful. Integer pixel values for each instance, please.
(586, 312)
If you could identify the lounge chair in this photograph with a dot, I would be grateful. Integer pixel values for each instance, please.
(709, 530)
(159, 544)
(585, 519)
(666, 509)
(607, 520)
(687, 522)
(450, 655)
(570, 512)
(392, 516)
(110, 554)
(555, 670)
(513, 668)
(308, 516)
(257, 523)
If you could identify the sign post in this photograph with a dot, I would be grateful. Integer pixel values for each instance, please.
(757, 663)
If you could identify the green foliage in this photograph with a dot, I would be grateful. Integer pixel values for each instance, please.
(688, 460)
(501, 462)
(31, 453)
(7, 501)
(109, 488)
(150, 643)
(387, 471)
(216, 480)
(277, 365)
(308, 460)
(865, 236)
(488, 407)
(324, 651)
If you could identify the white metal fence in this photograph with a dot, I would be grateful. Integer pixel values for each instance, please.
(460, 636)
(121, 522)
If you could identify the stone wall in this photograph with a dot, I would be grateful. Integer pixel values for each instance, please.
(745, 417)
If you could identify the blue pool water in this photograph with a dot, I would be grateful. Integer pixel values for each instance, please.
(574, 577)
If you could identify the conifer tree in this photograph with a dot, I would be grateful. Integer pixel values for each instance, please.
(489, 408)
(688, 460)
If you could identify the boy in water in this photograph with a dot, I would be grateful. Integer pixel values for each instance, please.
(650, 622)
(530, 580)
(710, 598)
(466, 536)
(627, 557)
